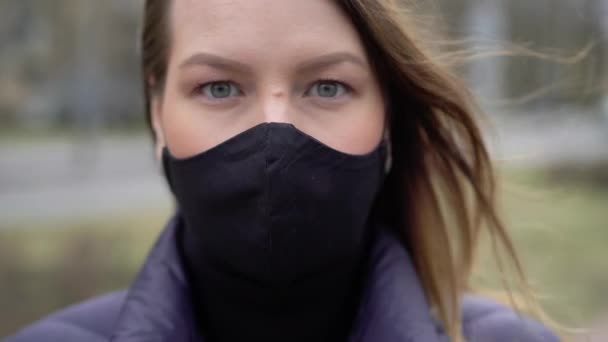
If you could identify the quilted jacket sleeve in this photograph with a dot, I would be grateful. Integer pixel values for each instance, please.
(56, 330)
(90, 321)
(488, 321)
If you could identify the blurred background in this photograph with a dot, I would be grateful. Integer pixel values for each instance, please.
(82, 199)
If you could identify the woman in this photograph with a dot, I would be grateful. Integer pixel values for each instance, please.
(330, 182)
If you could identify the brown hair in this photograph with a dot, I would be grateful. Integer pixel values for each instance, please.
(440, 194)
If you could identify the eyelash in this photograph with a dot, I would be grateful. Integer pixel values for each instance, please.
(348, 89)
(199, 88)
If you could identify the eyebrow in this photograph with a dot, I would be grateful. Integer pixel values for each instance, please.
(331, 59)
(321, 62)
(215, 61)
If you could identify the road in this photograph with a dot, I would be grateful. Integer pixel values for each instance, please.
(66, 179)
(87, 177)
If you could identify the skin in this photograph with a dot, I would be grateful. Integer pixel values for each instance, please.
(273, 59)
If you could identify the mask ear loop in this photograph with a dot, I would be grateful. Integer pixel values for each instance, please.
(388, 160)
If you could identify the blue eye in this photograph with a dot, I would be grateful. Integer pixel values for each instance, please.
(328, 89)
(219, 89)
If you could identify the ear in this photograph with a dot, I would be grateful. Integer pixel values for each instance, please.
(156, 120)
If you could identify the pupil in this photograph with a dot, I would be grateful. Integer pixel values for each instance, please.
(328, 90)
(220, 90)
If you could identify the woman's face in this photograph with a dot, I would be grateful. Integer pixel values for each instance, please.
(236, 63)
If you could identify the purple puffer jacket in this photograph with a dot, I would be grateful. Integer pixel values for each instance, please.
(393, 309)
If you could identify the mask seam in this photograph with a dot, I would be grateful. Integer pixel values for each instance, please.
(267, 194)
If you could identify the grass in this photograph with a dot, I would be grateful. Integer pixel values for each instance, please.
(560, 229)
(49, 266)
(12, 135)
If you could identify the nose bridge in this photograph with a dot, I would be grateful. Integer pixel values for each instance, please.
(276, 105)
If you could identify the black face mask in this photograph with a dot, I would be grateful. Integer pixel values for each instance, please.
(275, 232)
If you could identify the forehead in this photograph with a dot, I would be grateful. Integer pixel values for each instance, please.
(251, 27)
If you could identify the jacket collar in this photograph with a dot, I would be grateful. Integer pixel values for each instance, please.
(393, 306)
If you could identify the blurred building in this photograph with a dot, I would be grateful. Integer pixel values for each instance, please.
(69, 62)
(73, 64)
